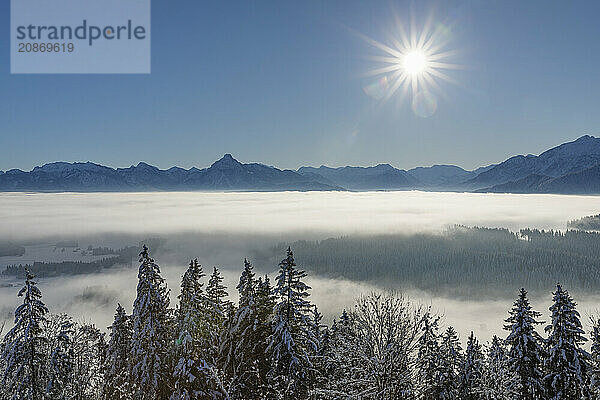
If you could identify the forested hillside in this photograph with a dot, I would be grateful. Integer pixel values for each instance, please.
(272, 344)
(461, 262)
(123, 256)
(590, 223)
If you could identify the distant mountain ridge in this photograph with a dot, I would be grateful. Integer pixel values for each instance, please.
(382, 176)
(521, 171)
(224, 174)
(570, 168)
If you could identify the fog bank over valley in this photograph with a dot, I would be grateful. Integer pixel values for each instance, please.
(28, 216)
(351, 243)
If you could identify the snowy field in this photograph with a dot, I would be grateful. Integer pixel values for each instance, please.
(293, 215)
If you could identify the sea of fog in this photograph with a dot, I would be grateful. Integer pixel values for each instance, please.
(32, 215)
(285, 216)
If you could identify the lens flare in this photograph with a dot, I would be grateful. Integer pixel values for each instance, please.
(377, 89)
(424, 104)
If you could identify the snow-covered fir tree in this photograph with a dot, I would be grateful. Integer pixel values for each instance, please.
(450, 364)
(240, 358)
(192, 299)
(499, 382)
(195, 373)
(340, 368)
(318, 331)
(218, 308)
(192, 331)
(428, 371)
(567, 364)
(216, 291)
(595, 358)
(25, 347)
(292, 340)
(61, 368)
(116, 373)
(150, 336)
(265, 304)
(318, 356)
(525, 351)
(470, 387)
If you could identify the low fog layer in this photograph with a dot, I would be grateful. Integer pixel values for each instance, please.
(93, 298)
(36, 215)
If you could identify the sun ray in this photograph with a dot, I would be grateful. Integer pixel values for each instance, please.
(381, 46)
(442, 65)
(413, 30)
(442, 55)
(397, 83)
(384, 70)
(431, 81)
(386, 59)
(425, 33)
(400, 29)
(443, 76)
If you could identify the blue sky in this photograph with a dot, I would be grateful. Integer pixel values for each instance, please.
(282, 83)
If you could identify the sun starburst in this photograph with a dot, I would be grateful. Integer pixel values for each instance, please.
(414, 62)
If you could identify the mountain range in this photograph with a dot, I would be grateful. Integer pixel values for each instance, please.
(572, 167)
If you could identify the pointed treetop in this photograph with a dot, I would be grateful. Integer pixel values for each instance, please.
(144, 256)
(289, 260)
(28, 275)
(247, 283)
(120, 310)
(215, 289)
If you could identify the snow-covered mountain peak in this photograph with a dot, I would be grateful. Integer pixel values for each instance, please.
(227, 161)
(144, 166)
(59, 167)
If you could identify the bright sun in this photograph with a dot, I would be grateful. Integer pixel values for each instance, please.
(414, 62)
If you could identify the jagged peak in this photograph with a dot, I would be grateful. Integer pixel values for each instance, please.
(144, 165)
(384, 166)
(585, 138)
(226, 160)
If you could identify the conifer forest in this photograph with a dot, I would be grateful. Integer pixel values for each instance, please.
(273, 344)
